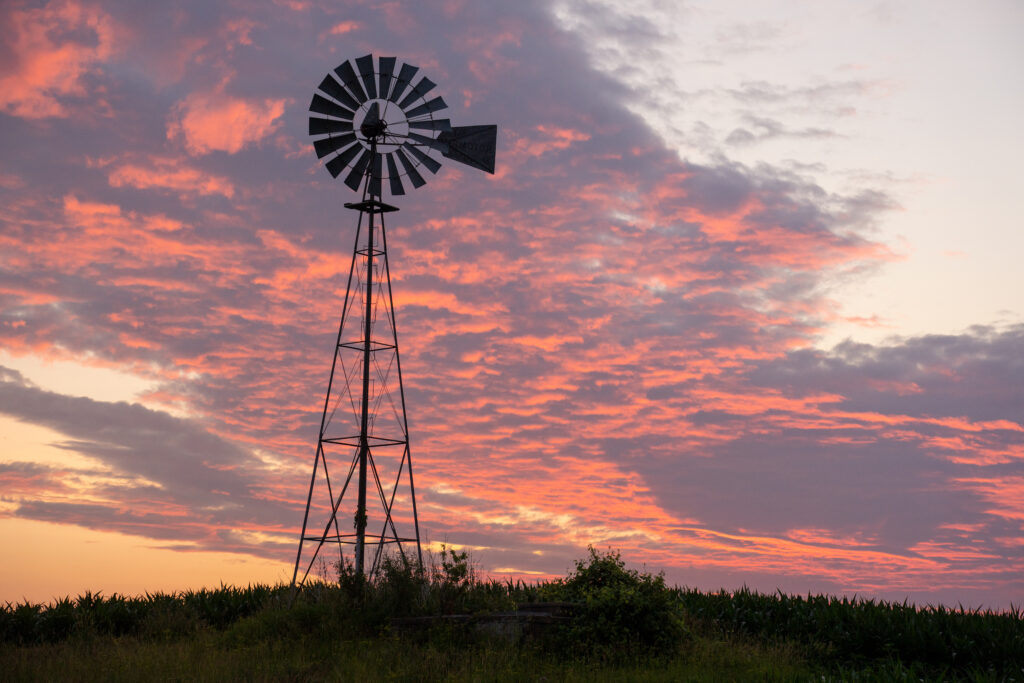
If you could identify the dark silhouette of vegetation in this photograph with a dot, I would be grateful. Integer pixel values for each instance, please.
(622, 620)
(622, 613)
(859, 631)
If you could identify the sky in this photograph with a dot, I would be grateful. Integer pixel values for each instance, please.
(741, 301)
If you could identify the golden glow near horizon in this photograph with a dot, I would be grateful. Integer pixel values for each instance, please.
(44, 561)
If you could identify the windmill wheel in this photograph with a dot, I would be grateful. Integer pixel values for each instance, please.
(371, 122)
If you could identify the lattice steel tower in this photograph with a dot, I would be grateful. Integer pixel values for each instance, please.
(373, 124)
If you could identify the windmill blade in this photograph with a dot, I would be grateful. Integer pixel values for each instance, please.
(433, 105)
(393, 177)
(336, 165)
(410, 170)
(350, 80)
(387, 68)
(432, 143)
(329, 145)
(365, 66)
(471, 145)
(376, 172)
(330, 86)
(322, 105)
(355, 176)
(432, 124)
(432, 164)
(318, 126)
(422, 88)
(404, 81)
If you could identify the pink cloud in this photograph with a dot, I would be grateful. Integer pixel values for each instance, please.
(550, 138)
(344, 27)
(1005, 494)
(170, 174)
(46, 62)
(213, 121)
(239, 32)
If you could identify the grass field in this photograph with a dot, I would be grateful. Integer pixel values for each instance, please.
(627, 626)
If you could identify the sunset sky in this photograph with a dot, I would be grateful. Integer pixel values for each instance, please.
(743, 299)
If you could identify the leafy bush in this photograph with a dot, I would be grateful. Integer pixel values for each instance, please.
(621, 613)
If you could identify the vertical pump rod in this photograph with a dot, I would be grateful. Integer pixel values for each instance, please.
(364, 441)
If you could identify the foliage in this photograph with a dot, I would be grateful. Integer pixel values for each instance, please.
(153, 615)
(859, 631)
(621, 613)
(628, 625)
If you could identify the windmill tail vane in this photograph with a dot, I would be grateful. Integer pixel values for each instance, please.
(376, 125)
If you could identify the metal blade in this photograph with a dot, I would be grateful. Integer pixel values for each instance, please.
(318, 126)
(431, 106)
(365, 66)
(387, 68)
(471, 145)
(329, 145)
(334, 89)
(441, 147)
(432, 164)
(393, 177)
(410, 170)
(350, 80)
(375, 173)
(404, 81)
(336, 165)
(322, 105)
(355, 176)
(422, 88)
(432, 124)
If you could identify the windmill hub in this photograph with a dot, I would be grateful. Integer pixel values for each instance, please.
(375, 123)
(374, 129)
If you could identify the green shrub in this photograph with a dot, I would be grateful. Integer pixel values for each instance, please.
(621, 612)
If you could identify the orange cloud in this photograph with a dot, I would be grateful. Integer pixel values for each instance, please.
(1005, 494)
(552, 138)
(209, 122)
(170, 174)
(238, 32)
(43, 67)
(344, 27)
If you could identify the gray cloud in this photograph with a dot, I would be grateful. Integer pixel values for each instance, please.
(156, 459)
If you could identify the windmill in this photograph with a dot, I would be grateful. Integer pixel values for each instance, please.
(372, 123)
